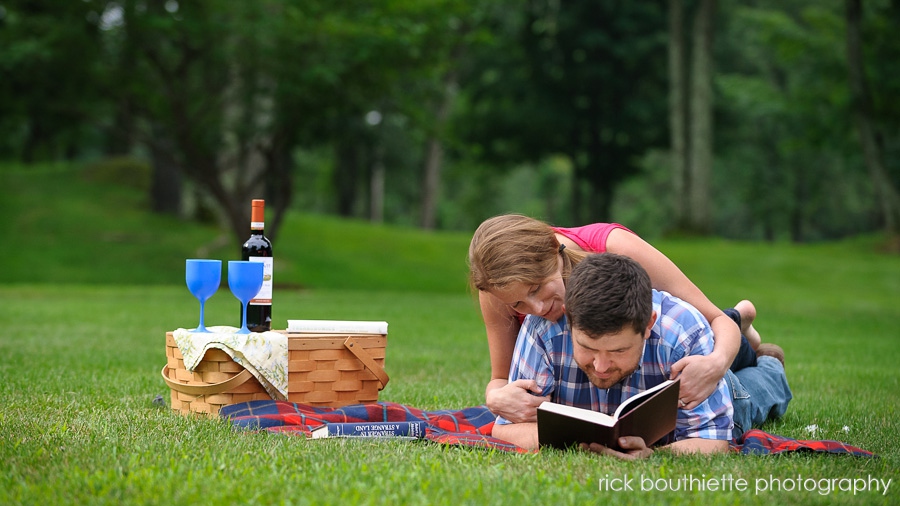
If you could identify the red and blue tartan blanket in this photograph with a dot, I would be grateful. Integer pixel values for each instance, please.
(464, 427)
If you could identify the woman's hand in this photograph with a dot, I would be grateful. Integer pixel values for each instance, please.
(699, 377)
(517, 401)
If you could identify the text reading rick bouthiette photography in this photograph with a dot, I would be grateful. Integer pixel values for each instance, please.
(758, 485)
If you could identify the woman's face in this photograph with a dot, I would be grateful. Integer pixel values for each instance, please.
(544, 299)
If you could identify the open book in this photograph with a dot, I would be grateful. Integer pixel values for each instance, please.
(650, 414)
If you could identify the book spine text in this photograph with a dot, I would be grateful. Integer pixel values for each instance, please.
(373, 429)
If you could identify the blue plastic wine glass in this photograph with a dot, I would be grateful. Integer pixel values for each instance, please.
(245, 279)
(202, 278)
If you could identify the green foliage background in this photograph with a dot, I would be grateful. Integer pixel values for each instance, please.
(558, 110)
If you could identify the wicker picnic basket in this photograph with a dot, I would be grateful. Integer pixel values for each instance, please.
(336, 370)
(323, 370)
(216, 381)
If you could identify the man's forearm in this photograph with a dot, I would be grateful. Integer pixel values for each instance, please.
(699, 445)
(523, 435)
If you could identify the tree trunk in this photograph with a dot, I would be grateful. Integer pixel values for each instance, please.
(345, 175)
(600, 202)
(799, 199)
(869, 136)
(431, 183)
(279, 181)
(578, 176)
(677, 109)
(434, 154)
(120, 140)
(33, 140)
(376, 187)
(701, 128)
(165, 185)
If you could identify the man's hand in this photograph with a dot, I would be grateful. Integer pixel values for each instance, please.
(516, 401)
(634, 448)
(699, 377)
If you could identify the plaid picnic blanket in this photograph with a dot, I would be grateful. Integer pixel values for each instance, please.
(465, 427)
(757, 442)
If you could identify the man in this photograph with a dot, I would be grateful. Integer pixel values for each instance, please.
(620, 337)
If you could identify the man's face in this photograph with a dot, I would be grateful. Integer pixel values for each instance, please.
(610, 358)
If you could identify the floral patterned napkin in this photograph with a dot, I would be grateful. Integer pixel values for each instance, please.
(264, 354)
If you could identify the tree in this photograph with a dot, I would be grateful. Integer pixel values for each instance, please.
(227, 91)
(870, 137)
(393, 60)
(701, 141)
(430, 86)
(47, 75)
(785, 124)
(678, 117)
(434, 149)
(194, 93)
(691, 118)
(584, 79)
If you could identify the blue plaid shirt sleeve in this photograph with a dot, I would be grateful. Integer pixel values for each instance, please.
(685, 332)
(711, 419)
(532, 358)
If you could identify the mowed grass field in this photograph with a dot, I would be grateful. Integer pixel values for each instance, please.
(91, 282)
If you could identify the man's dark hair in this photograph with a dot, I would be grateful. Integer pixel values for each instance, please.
(606, 293)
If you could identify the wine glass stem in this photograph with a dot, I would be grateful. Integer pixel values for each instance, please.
(244, 316)
(202, 326)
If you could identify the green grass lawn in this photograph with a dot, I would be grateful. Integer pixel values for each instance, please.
(88, 296)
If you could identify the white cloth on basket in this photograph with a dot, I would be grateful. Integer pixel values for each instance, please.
(264, 354)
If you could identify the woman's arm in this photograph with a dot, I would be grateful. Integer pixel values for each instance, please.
(699, 374)
(502, 328)
(511, 401)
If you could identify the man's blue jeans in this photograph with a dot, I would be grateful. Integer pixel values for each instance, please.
(758, 393)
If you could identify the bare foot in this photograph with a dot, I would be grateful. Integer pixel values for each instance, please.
(748, 314)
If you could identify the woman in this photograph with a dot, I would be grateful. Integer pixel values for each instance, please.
(519, 266)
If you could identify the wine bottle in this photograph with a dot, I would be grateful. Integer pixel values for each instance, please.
(258, 248)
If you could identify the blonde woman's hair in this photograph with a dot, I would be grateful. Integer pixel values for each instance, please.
(513, 248)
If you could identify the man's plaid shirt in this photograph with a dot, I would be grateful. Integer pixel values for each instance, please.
(544, 352)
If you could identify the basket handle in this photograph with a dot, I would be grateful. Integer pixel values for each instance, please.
(207, 389)
(367, 360)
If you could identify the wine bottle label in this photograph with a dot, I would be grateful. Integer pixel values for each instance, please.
(257, 225)
(264, 297)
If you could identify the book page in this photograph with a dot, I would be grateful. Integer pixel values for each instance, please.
(633, 402)
(578, 413)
